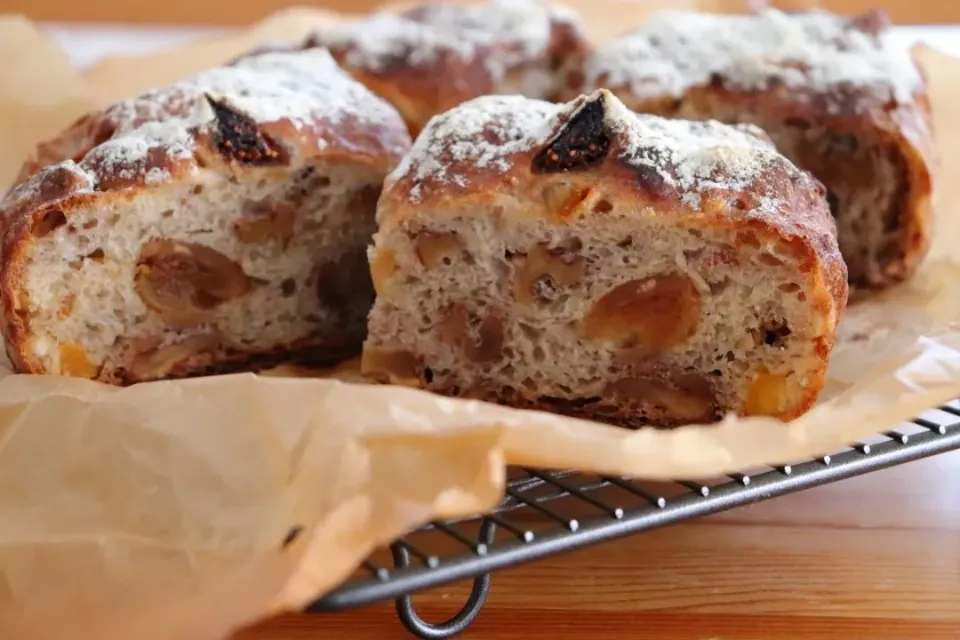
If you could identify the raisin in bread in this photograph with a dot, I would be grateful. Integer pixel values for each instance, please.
(431, 57)
(583, 259)
(836, 95)
(209, 226)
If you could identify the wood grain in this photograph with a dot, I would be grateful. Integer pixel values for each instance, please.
(875, 557)
(240, 12)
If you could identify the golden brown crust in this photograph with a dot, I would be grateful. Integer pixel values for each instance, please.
(845, 78)
(265, 113)
(430, 58)
(710, 176)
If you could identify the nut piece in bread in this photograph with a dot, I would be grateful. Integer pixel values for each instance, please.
(431, 57)
(584, 259)
(836, 95)
(214, 225)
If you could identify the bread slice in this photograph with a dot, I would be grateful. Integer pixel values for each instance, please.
(431, 57)
(836, 95)
(210, 226)
(583, 259)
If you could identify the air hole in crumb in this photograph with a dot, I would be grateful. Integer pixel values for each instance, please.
(96, 255)
(167, 213)
(626, 242)
(114, 219)
(719, 286)
(749, 240)
(288, 287)
(48, 223)
(738, 203)
(197, 189)
(695, 233)
(532, 333)
(770, 260)
(538, 354)
(775, 334)
(428, 375)
(291, 536)
(89, 224)
(715, 373)
(603, 206)
(789, 287)
(802, 297)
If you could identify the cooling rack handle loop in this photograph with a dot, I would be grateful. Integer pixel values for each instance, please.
(467, 614)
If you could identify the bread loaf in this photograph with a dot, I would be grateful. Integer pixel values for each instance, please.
(583, 259)
(214, 225)
(836, 94)
(431, 57)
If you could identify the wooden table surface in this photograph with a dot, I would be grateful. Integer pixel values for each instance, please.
(875, 557)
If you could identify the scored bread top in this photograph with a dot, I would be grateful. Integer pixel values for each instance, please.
(843, 64)
(275, 109)
(498, 34)
(726, 175)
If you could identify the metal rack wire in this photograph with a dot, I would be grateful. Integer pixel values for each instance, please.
(445, 552)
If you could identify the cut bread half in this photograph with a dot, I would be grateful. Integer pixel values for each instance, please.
(216, 225)
(583, 259)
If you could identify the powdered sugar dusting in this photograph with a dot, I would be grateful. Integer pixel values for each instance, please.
(160, 127)
(504, 33)
(299, 87)
(676, 50)
(488, 133)
(482, 133)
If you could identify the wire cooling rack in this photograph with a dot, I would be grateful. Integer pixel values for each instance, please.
(548, 512)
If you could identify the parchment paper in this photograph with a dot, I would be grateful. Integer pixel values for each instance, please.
(186, 509)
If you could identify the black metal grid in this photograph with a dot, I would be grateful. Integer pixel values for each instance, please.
(548, 512)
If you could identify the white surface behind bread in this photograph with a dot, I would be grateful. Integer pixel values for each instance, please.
(583, 259)
(208, 226)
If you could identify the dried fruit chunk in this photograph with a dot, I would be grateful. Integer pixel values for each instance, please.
(563, 200)
(75, 362)
(263, 222)
(658, 312)
(480, 338)
(581, 143)
(543, 273)
(382, 268)
(160, 361)
(689, 399)
(396, 366)
(184, 282)
(435, 249)
(767, 395)
(238, 137)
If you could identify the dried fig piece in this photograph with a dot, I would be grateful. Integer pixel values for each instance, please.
(543, 273)
(396, 366)
(658, 312)
(160, 361)
(264, 222)
(480, 338)
(687, 399)
(74, 361)
(184, 282)
(581, 143)
(435, 248)
(238, 137)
